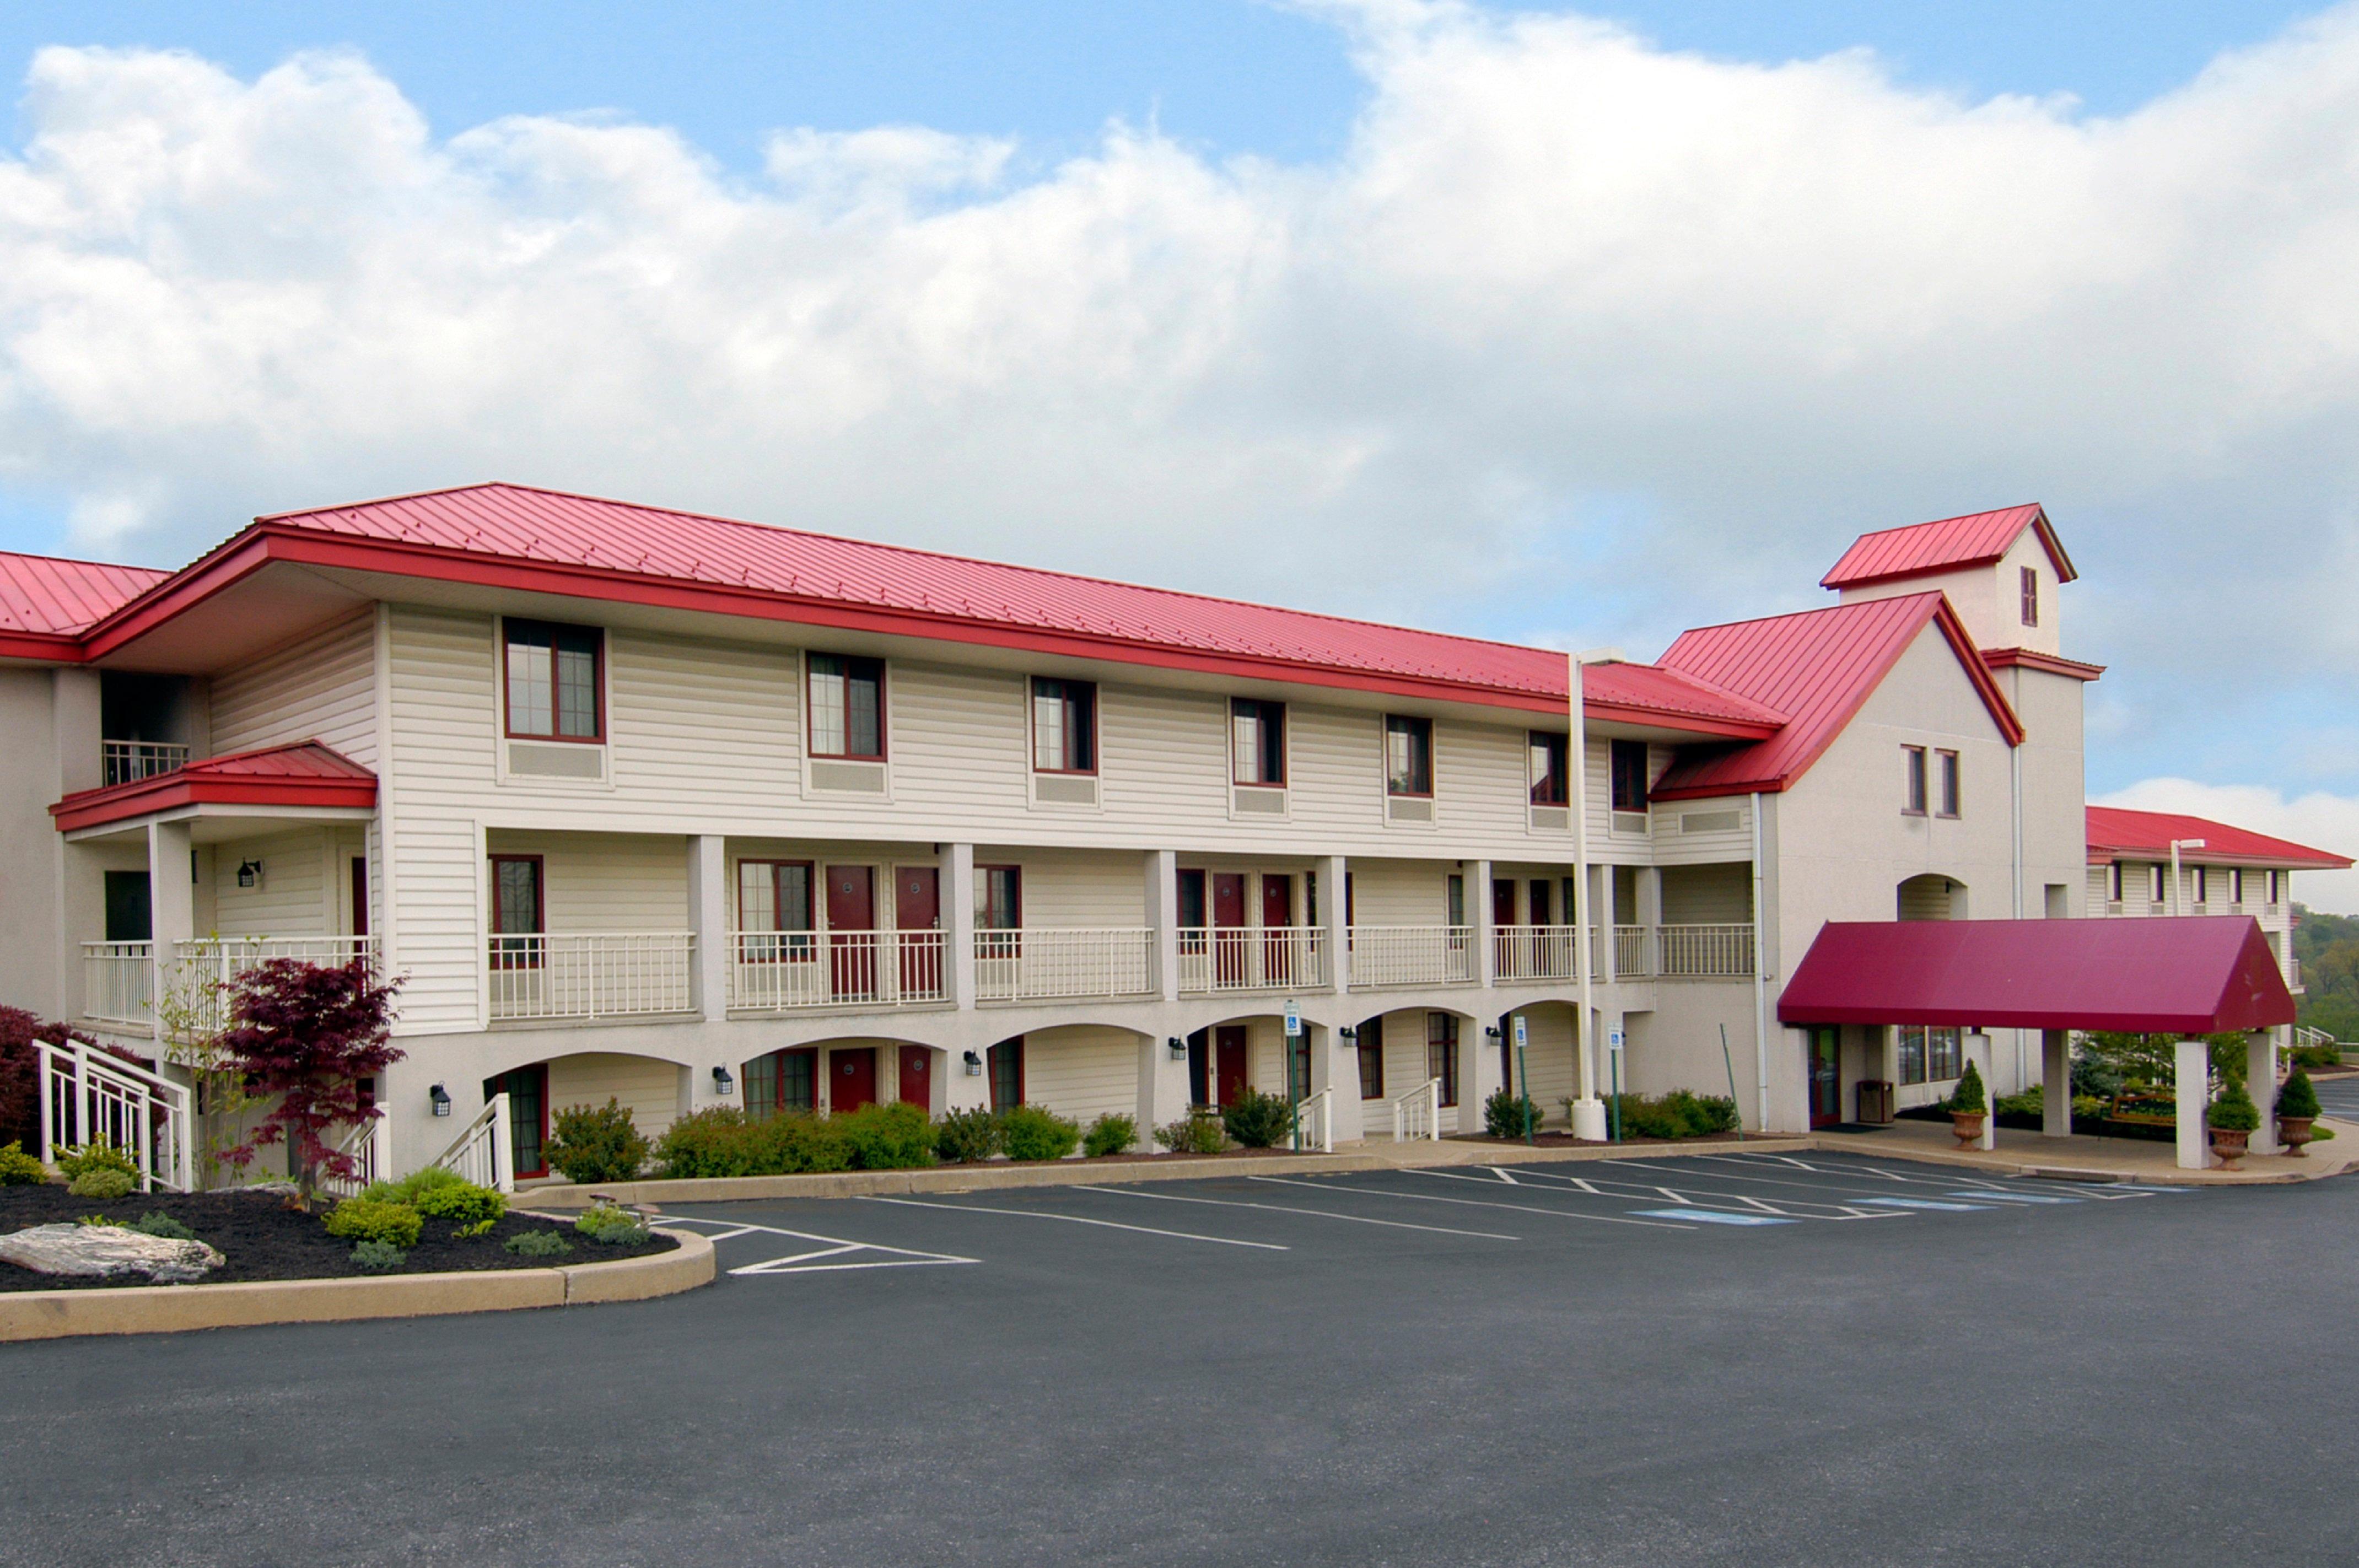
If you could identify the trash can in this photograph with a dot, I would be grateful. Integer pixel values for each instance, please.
(1875, 1102)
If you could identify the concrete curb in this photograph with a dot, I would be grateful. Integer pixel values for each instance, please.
(2318, 1169)
(173, 1309)
(1077, 1173)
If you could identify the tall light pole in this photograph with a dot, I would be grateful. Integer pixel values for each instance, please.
(2176, 846)
(1589, 1111)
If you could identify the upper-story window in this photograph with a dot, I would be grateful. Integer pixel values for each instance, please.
(1257, 741)
(1913, 790)
(1548, 770)
(1946, 774)
(847, 706)
(1627, 759)
(2276, 885)
(2157, 880)
(1408, 755)
(2113, 883)
(773, 911)
(2235, 883)
(1064, 726)
(2030, 595)
(998, 898)
(2203, 876)
(553, 681)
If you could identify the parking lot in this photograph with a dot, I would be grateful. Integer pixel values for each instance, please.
(1818, 1358)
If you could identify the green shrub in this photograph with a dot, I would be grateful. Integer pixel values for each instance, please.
(2321, 1133)
(470, 1231)
(80, 1161)
(2299, 1098)
(1680, 1114)
(1506, 1114)
(886, 1137)
(1257, 1120)
(158, 1223)
(1970, 1095)
(596, 1143)
(612, 1226)
(962, 1138)
(1034, 1132)
(537, 1244)
(378, 1257)
(103, 1183)
(2233, 1111)
(366, 1219)
(715, 1142)
(415, 1185)
(1112, 1133)
(793, 1145)
(463, 1203)
(18, 1169)
(1198, 1132)
(2317, 1056)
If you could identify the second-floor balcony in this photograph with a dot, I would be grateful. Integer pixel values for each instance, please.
(1218, 959)
(587, 975)
(775, 972)
(129, 761)
(122, 980)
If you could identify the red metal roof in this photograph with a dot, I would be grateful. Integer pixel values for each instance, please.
(2115, 833)
(304, 773)
(1817, 667)
(1944, 546)
(44, 596)
(2190, 976)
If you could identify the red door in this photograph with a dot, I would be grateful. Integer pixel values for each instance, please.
(1228, 915)
(851, 939)
(917, 907)
(918, 1077)
(1826, 1076)
(1503, 903)
(1228, 1063)
(851, 1079)
(1278, 917)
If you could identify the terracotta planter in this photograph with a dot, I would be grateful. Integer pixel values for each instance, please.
(2229, 1146)
(1968, 1127)
(2295, 1132)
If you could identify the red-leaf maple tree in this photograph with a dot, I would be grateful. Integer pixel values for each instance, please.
(306, 1034)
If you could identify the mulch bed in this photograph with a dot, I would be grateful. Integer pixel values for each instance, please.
(264, 1239)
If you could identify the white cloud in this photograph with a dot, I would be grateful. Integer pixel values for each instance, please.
(2321, 821)
(1577, 334)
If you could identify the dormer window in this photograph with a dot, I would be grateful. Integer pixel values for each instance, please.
(2031, 596)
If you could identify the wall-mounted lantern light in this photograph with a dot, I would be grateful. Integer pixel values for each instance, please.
(973, 1065)
(441, 1099)
(1490, 1031)
(1347, 1032)
(1177, 1046)
(721, 1083)
(249, 874)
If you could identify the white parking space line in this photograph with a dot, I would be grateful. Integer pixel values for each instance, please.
(1930, 1203)
(1703, 1197)
(1839, 1173)
(1468, 1202)
(812, 1260)
(1075, 1219)
(1290, 1209)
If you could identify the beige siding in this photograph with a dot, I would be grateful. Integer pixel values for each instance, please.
(1071, 888)
(1402, 893)
(699, 724)
(1083, 1071)
(648, 1088)
(288, 902)
(1675, 845)
(604, 882)
(1707, 894)
(321, 687)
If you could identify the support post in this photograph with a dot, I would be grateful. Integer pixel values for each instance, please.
(1650, 916)
(2194, 1088)
(1484, 919)
(2055, 1084)
(2261, 1079)
(1478, 1072)
(171, 905)
(955, 877)
(1163, 919)
(1162, 1085)
(1336, 934)
(708, 915)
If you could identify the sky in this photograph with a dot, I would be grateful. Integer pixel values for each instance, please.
(1566, 326)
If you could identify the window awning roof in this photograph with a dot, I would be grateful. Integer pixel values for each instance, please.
(2207, 975)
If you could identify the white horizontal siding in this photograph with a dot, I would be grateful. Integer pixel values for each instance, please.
(1070, 888)
(604, 882)
(1675, 846)
(1707, 894)
(287, 901)
(647, 1088)
(1403, 892)
(320, 687)
(1084, 1071)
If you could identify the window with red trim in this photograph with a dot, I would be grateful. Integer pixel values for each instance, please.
(847, 707)
(555, 681)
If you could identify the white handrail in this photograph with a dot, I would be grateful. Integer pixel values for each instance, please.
(1252, 958)
(1418, 1114)
(481, 1152)
(1322, 1105)
(590, 975)
(104, 1099)
(773, 972)
(369, 1145)
(1042, 964)
(1412, 955)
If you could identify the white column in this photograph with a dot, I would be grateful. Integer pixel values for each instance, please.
(1333, 869)
(1980, 1051)
(708, 917)
(965, 1091)
(2261, 1079)
(1478, 1070)
(1589, 1119)
(1162, 1083)
(1650, 914)
(171, 900)
(2193, 1085)
(1334, 1064)
(2055, 1084)
(955, 881)
(1163, 919)
(1610, 964)
(1478, 912)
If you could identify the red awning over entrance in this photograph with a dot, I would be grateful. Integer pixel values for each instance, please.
(2206, 975)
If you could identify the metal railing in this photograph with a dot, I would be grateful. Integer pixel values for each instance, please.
(1704, 952)
(481, 1152)
(1214, 959)
(1418, 1114)
(369, 1146)
(204, 968)
(118, 982)
(90, 1097)
(1041, 966)
(1412, 955)
(775, 972)
(1537, 952)
(129, 761)
(1634, 951)
(1641, 953)
(1314, 1122)
(590, 975)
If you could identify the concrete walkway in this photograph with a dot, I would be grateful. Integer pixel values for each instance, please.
(2083, 1158)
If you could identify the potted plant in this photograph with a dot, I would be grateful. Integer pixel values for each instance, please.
(2232, 1118)
(1968, 1107)
(2297, 1108)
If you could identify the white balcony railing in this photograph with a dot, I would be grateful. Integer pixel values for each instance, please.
(119, 978)
(87, 1095)
(1043, 966)
(1704, 952)
(776, 972)
(1641, 953)
(118, 982)
(1537, 953)
(1418, 1114)
(1214, 959)
(127, 761)
(1634, 951)
(602, 974)
(1412, 955)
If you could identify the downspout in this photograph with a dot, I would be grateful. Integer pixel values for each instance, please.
(1760, 983)
(2014, 790)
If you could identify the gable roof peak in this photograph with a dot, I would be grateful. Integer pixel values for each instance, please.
(1946, 544)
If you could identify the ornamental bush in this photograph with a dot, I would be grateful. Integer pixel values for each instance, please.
(155, 1222)
(715, 1142)
(2299, 1098)
(2233, 1111)
(962, 1138)
(414, 1186)
(1257, 1120)
(1507, 1113)
(378, 1257)
(103, 1183)
(1970, 1095)
(1198, 1132)
(793, 1145)
(612, 1226)
(886, 1137)
(463, 1203)
(537, 1244)
(1034, 1132)
(1677, 1115)
(18, 1169)
(1112, 1133)
(74, 1161)
(596, 1143)
(366, 1219)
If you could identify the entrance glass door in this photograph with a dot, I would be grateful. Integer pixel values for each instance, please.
(1826, 1076)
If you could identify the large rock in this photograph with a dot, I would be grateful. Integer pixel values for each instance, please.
(107, 1252)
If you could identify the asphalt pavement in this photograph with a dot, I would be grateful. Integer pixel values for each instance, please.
(1816, 1358)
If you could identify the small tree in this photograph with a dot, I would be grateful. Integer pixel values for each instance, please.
(2233, 1111)
(304, 1035)
(2298, 1098)
(1970, 1096)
